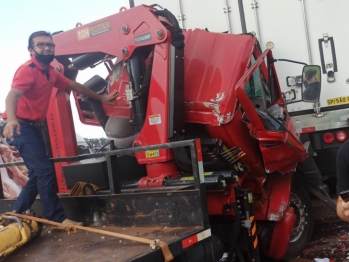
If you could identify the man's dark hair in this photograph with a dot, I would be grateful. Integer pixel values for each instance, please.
(35, 34)
(310, 74)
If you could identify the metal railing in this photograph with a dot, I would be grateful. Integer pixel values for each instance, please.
(114, 189)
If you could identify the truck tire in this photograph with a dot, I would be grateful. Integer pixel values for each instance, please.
(303, 228)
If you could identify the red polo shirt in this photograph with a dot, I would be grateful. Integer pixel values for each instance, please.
(36, 84)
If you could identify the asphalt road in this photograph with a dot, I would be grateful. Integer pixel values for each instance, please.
(330, 236)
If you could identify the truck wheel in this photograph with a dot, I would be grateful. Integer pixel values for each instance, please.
(303, 229)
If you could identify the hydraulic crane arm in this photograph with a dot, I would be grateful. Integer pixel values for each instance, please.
(116, 35)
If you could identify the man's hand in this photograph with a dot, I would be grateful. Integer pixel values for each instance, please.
(11, 107)
(80, 89)
(109, 99)
(11, 127)
(343, 209)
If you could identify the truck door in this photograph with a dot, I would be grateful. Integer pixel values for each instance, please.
(266, 116)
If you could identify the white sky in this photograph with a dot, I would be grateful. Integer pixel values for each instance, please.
(19, 18)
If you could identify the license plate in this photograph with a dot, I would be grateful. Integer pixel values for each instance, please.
(338, 101)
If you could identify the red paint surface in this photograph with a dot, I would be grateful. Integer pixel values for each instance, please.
(62, 133)
(281, 235)
(308, 129)
(189, 241)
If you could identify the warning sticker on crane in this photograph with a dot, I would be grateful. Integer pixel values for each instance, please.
(190, 178)
(338, 101)
(93, 30)
(152, 153)
(155, 119)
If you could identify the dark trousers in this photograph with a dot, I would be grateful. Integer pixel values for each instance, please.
(42, 179)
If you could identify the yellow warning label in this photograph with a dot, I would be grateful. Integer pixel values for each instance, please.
(152, 153)
(188, 178)
(250, 198)
(338, 101)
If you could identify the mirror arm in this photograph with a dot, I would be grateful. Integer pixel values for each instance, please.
(292, 102)
(287, 60)
(317, 110)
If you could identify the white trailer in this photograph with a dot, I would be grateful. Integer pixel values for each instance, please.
(308, 31)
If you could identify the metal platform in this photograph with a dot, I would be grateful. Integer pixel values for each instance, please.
(58, 246)
(173, 215)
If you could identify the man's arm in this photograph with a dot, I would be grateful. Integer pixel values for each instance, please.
(11, 107)
(79, 88)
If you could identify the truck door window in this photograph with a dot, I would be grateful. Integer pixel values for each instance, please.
(274, 90)
(256, 87)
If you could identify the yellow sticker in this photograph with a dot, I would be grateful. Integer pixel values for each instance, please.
(338, 101)
(250, 198)
(152, 153)
(187, 178)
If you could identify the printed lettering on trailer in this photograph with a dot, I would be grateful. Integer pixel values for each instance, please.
(338, 101)
(91, 31)
(142, 38)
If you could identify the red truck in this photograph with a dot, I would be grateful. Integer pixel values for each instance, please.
(201, 144)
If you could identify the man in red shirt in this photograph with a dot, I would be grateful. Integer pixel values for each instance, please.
(26, 108)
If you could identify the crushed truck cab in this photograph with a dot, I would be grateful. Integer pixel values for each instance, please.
(200, 138)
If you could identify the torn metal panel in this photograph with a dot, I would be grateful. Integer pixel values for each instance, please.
(214, 105)
(277, 216)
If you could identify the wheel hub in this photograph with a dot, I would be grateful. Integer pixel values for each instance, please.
(300, 212)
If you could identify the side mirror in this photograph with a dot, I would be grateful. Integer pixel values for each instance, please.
(311, 87)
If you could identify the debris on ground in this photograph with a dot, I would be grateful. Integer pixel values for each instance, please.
(330, 240)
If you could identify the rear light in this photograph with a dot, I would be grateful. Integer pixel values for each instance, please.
(341, 136)
(328, 138)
